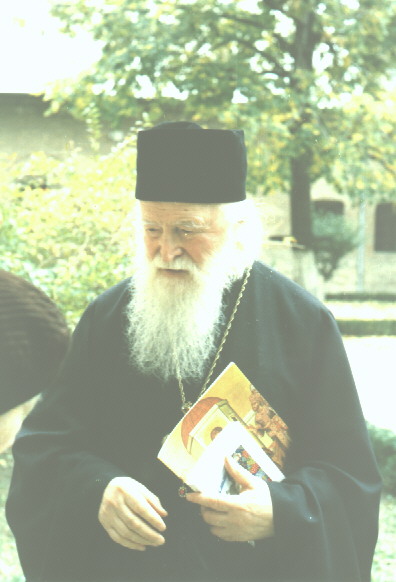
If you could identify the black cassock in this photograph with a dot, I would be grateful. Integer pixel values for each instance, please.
(103, 420)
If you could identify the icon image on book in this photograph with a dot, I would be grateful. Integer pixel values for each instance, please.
(233, 419)
(246, 461)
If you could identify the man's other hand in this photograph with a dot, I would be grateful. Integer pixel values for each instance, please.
(131, 514)
(238, 518)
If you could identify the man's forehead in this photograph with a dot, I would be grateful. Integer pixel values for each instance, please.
(175, 212)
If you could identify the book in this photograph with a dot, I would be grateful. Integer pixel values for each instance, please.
(231, 418)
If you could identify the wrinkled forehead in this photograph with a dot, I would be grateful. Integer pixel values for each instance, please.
(179, 212)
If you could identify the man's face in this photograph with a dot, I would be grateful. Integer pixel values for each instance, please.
(173, 230)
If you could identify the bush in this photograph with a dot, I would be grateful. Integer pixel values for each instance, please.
(361, 297)
(332, 239)
(367, 327)
(384, 444)
(70, 231)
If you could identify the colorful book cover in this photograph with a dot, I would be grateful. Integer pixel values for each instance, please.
(230, 419)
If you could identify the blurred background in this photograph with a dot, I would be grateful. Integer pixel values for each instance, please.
(312, 84)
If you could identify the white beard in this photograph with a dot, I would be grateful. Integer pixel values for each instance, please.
(174, 322)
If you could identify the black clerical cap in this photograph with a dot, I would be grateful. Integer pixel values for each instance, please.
(182, 162)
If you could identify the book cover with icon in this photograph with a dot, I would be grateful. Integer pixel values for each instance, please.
(231, 418)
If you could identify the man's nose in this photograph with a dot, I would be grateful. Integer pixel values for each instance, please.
(169, 247)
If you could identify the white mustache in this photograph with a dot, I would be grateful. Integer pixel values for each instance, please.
(177, 264)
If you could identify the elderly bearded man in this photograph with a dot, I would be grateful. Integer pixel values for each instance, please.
(90, 501)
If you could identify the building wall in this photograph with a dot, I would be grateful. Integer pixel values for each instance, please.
(363, 270)
(25, 128)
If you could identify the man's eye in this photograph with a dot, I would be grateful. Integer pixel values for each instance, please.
(190, 231)
(152, 231)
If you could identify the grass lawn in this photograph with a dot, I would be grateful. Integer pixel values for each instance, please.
(384, 567)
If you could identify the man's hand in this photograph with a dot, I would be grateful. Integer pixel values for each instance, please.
(238, 518)
(131, 514)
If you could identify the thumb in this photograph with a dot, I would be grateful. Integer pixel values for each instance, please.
(239, 474)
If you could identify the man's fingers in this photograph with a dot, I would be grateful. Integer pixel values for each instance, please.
(122, 524)
(129, 513)
(139, 500)
(239, 474)
(116, 535)
(133, 524)
(222, 502)
(141, 507)
(219, 503)
(214, 518)
(155, 503)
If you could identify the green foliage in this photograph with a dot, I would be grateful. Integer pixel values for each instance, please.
(297, 76)
(367, 327)
(73, 240)
(365, 164)
(384, 444)
(333, 238)
(384, 565)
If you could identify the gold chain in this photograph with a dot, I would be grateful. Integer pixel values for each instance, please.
(186, 405)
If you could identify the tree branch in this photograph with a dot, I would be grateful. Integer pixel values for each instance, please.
(240, 19)
(284, 45)
(380, 160)
(278, 69)
(274, 5)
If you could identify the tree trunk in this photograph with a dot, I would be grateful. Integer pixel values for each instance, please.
(305, 40)
(300, 199)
